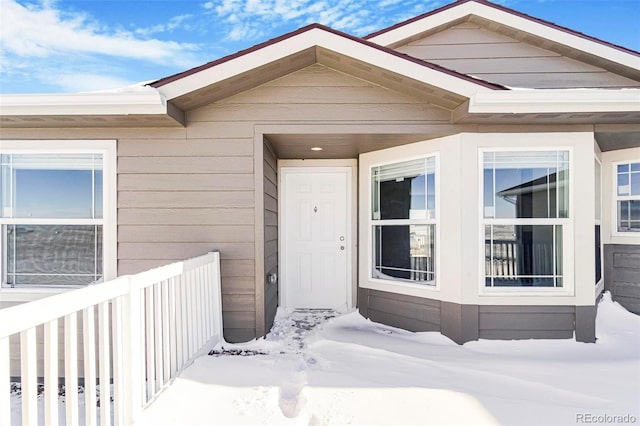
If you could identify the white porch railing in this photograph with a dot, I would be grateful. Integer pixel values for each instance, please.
(149, 327)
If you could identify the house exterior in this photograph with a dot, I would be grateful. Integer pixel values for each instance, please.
(473, 171)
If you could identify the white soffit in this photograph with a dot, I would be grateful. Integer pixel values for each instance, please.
(317, 37)
(555, 101)
(404, 32)
(141, 101)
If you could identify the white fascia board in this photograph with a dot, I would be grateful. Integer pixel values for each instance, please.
(317, 37)
(511, 20)
(555, 101)
(147, 101)
(418, 27)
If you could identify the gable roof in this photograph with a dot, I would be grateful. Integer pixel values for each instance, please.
(470, 99)
(316, 42)
(174, 77)
(454, 12)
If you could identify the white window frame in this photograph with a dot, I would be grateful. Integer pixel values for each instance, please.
(598, 221)
(616, 198)
(371, 223)
(107, 148)
(567, 224)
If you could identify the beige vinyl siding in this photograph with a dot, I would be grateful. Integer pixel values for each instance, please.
(186, 191)
(270, 233)
(470, 49)
(316, 94)
(179, 199)
(335, 97)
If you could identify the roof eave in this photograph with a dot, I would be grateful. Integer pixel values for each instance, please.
(144, 102)
(395, 35)
(555, 101)
(324, 37)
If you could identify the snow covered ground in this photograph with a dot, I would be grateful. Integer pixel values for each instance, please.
(348, 370)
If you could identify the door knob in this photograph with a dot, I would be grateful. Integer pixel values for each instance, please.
(341, 247)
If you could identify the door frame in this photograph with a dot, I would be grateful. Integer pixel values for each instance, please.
(350, 168)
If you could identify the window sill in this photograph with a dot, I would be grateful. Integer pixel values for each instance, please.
(525, 292)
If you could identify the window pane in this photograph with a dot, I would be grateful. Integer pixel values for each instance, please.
(635, 184)
(51, 185)
(404, 190)
(97, 191)
(53, 254)
(623, 184)
(404, 253)
(623, 168)
(635, 167)
(488, 192)
(527, 184)
(488, 255)
(524, 255)
(629, 216)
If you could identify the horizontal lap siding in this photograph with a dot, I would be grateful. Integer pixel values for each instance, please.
(408, 312)
(313, 94)
(187, 191)
(270, 167)
(622, 274)
(182, 198)
(526, 322)
(495, 57)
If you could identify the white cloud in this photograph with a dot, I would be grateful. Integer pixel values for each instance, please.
(85, 82)
(42, 42)
(251, 19)
(41, 31)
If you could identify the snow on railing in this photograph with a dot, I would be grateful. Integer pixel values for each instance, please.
(149, 327)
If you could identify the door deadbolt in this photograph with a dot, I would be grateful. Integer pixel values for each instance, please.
(341, 238)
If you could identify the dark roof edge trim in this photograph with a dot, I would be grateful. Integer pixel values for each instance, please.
(511, 11)
(304, 29)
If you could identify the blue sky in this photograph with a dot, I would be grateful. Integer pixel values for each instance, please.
(84, 45)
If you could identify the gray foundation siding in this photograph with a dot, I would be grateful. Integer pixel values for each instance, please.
(464, 323)
(622, 274)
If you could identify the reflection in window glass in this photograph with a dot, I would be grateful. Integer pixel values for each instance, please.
(403, 212)
(523, 255)
(52, 186)
(628, 197)
(629, 216)
(404, 190)
(526, 184)
(53, 254)
(50, 189)
(405, 252)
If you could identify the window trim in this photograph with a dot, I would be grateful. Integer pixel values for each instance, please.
(598, 221)
(616, 198)
(567, 224)
(106, 147)
(371, 223)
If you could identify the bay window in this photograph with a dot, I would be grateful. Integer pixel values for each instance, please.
(403, 221)
(628, 196)
(52, 219)
(525, 209)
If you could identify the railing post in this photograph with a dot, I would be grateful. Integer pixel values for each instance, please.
(132, 354)
(217, 296)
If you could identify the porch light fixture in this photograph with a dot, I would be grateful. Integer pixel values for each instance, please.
(316, 148)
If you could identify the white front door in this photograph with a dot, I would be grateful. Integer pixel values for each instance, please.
(315, 237)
